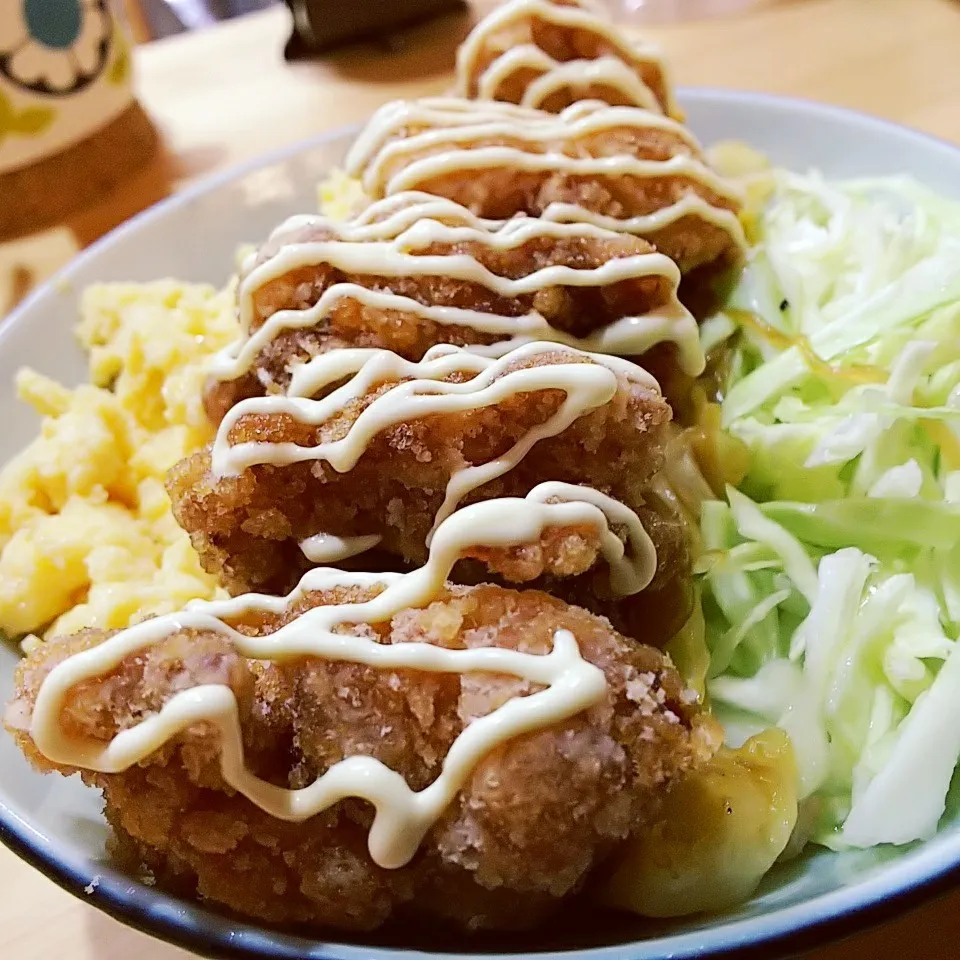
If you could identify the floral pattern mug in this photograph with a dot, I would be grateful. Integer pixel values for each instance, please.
(64, 75)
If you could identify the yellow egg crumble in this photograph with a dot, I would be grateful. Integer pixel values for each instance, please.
(87, 538)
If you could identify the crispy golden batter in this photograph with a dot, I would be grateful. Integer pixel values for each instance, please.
(558, 43)
(576, 310)
(535, 817)
(247, 528)
(502, 187)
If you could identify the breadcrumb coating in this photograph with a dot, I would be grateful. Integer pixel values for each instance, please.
(247, 528)
(536, 816)
(504, 188)
(561, 43)
(575, 310)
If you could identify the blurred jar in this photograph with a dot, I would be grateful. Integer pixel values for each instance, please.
(70, 127)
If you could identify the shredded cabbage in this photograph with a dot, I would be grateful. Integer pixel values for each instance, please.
(831, 576)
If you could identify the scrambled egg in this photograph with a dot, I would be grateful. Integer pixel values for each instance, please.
(87, 538)
(340, 196)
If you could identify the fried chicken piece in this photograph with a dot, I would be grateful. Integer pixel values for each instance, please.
(248, 528)
(532, 820)
(549, 54)
(619, 167)
(414, 306)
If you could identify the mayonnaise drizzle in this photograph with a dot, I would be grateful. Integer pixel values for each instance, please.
(385, 241)
(422, 391)
(407, 146)
(408, 128)
(583, 74)
(403, 816)
(575, 75)
(326, 548)
(570, 504)
(420, 172)
(631, 58)
(649, 224)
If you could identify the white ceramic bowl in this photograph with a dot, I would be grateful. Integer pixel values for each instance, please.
(56, 824)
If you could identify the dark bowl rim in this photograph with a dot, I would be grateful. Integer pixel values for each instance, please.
(785, 932)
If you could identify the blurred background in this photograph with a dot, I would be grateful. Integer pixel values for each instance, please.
(153, 19)
(108, 106)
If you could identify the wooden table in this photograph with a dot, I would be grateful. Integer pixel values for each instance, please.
(225, 95)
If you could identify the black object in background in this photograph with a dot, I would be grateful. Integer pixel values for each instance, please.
(322, 25)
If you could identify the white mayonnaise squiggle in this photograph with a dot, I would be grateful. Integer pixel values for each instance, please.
(570, 504)
(420, 145)
(403, 816)
(387, 241)
(324, 548)
(481, 63)
(405, 129)
(577, 75)
(424, 392)
(554, 77)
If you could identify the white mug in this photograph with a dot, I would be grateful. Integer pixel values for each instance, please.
(65, 73)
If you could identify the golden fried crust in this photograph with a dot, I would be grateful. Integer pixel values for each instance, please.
(350, 323)
(561, 43)
(574, 309)
(502, 191)
(247, 528)
(535, 817)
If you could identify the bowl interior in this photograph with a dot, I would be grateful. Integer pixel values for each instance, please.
(56, 823)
